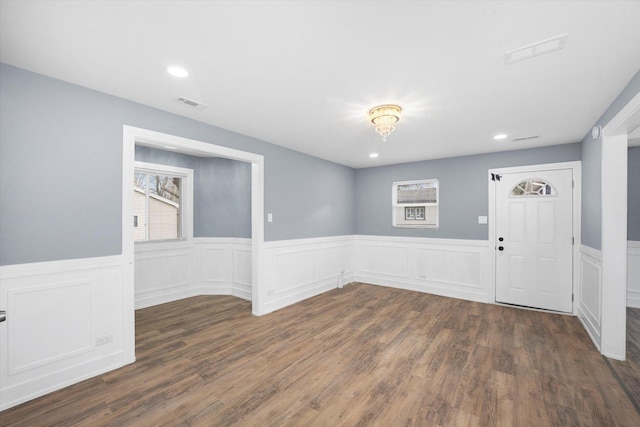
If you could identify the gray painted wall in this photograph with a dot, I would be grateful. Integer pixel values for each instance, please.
(463, 190)
(592, 169)
(61, 150)
(633, 198)
(222, 206)
(591, 192)
(222, 191)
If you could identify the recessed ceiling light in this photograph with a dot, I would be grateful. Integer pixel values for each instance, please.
(373, 155)
(177, 71)
(500, 136)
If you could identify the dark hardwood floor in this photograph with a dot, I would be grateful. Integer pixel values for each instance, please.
(629, 371)
(358, 356)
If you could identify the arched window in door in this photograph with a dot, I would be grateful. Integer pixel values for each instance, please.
(533, 188)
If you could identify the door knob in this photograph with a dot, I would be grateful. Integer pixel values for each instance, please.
(3, 316)
(501, 238)
(501, 248)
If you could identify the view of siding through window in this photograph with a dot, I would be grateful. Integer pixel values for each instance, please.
(156, 207)
(416, 204)
(423, 192)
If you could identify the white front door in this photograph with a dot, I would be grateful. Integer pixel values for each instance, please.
(534, 239)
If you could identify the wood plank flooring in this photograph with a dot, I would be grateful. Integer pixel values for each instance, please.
(358, 356)
(629, 371)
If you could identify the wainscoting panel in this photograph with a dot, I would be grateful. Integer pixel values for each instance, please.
(302, 268)
(169, 271)
(242, 271)
(222, 266)
(162, 272)
(590, 298)
(383, 260)
(454, 268)
(64, 324)
(633, 274)
(63, 307)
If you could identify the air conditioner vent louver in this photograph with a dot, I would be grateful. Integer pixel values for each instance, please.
(191, 103)
(536, 49)
(526, 138)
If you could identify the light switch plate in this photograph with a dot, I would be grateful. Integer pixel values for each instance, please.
(269, 217)
(482, 220)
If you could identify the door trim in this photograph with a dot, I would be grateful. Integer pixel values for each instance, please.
(576, 168)
(132, 136)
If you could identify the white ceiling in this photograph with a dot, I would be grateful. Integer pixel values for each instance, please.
(303, 74)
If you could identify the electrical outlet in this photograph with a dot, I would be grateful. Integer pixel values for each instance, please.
(105, 339)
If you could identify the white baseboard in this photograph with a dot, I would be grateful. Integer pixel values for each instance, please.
(155, 296)
(39, 386)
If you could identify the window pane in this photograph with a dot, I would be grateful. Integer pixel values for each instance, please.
(532, 188)
(164, 207)
(157, 207)
(139, 207)
(140, 180)
(417, 193)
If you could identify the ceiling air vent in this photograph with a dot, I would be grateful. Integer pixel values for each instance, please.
(536, 49)
(526, 138)
(196, 105)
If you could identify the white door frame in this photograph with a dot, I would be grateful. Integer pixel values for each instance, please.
(576, 168)
(614, 229)
(131, 137)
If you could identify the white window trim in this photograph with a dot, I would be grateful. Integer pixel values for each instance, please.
(395, 204)
(186, 194)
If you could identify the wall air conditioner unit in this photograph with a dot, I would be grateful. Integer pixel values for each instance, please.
(415, 203)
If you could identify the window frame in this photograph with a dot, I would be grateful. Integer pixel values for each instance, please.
(186, 197)
(398, 209)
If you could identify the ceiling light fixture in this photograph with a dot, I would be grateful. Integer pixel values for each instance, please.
(500, 136)
(373, 155)
(384, 117)
(177, 71)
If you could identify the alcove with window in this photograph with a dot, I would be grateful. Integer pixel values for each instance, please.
(191, 226)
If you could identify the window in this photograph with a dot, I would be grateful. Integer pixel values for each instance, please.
(162, 201)
(415, 204)
(532, 188)
(414, 213)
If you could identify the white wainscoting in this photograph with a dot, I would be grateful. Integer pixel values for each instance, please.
(64, 325)
(170, 271)
(299, 269)
(590, 302)
(222, 266)
(633, 274)
(447, 267)
(162, 272)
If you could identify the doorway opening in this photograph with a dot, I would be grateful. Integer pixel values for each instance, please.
(133, 137)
